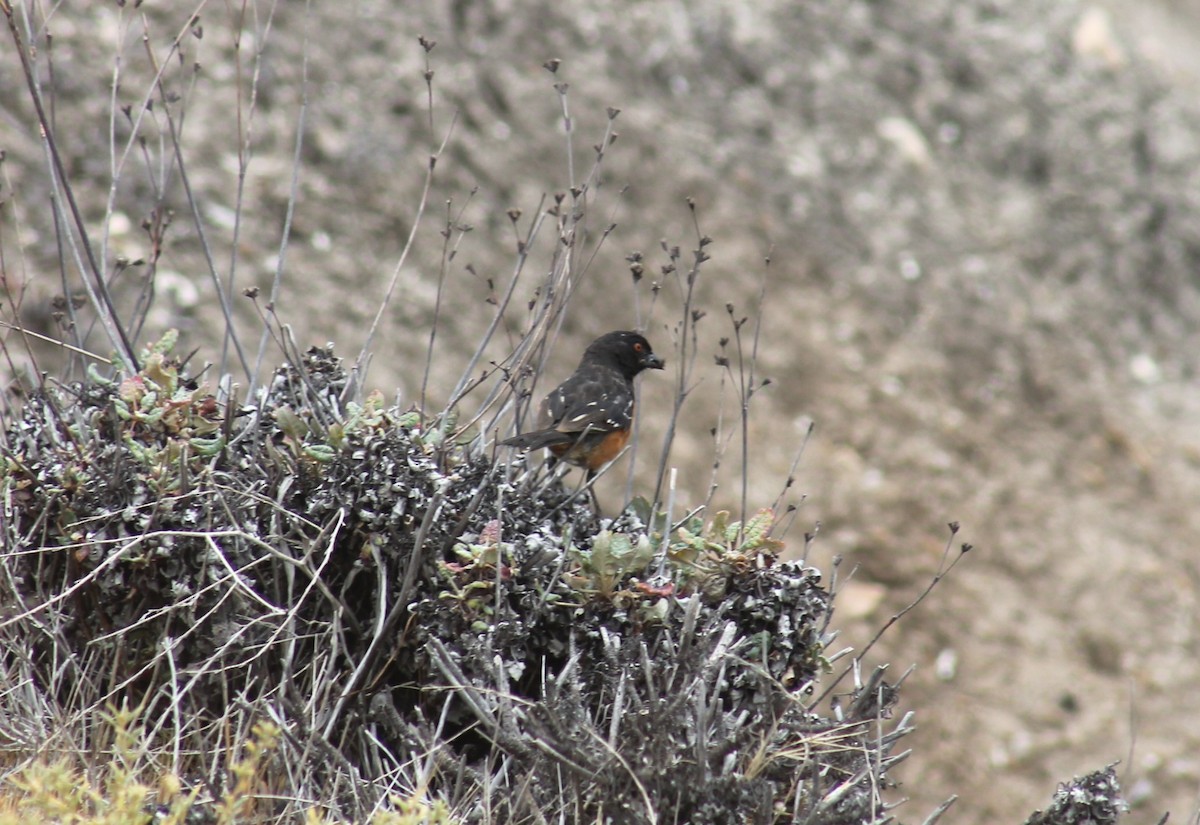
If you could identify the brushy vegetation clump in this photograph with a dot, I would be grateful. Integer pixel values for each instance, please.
(344, 612)
(408, 617)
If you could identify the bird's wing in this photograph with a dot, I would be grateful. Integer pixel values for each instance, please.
(596, 400)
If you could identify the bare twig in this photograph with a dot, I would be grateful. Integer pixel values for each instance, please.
(96, 287)
(293, 194)
(358, 373)
(947, 564)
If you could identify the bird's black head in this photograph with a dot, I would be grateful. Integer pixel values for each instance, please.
(629, 352)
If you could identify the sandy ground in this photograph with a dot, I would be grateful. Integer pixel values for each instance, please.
(982, 225)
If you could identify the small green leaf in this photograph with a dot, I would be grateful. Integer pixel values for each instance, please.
(757, 528)
(409, 420)
(600, 560)
(167, 343)
(291, 424)
(94, 376)
(322, 453)
(642, 508)
(719, 530)
(158, 370)
(207, 446)
(337, 435)
(642, 555)
(620, 547)
(153, 416)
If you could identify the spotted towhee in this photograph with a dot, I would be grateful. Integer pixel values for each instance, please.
(586, 419)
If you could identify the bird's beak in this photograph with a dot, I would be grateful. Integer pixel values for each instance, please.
(650, 361)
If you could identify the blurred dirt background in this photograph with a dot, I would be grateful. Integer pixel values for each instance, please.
(983, 225)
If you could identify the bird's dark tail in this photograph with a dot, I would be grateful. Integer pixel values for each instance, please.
(537, 439)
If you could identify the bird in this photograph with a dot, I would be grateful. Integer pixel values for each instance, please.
(586, 419)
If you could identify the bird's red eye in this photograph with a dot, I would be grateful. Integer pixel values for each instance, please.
(637, 347)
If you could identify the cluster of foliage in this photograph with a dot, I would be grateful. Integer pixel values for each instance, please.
(387, 597)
